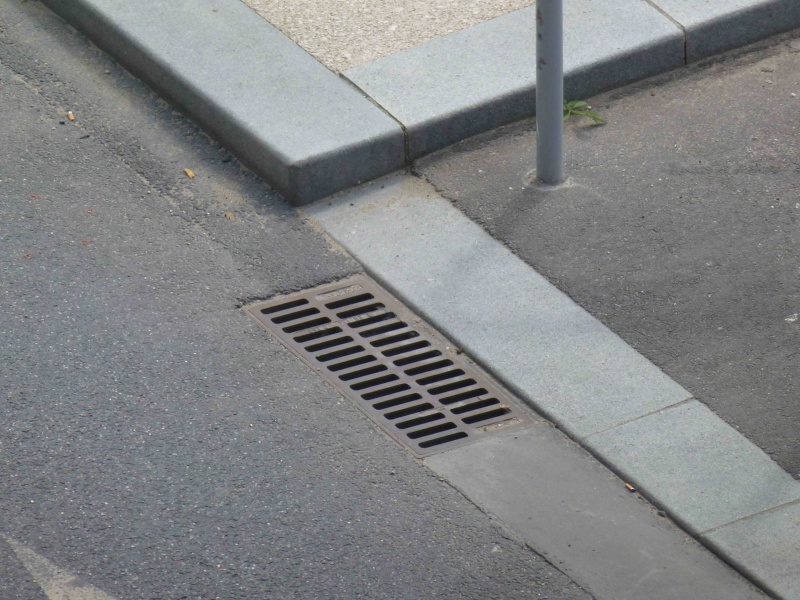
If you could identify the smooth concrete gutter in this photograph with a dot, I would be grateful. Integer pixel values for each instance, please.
(310, 133)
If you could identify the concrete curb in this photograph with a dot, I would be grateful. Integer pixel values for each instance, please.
(568, 366)
(482, 77)
(310, 134)
(305, 130)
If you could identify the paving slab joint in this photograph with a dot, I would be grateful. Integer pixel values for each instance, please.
(582, 439)
(684, 524)
(406, 144)
(742, 568)
(766, 511)
(678, 24)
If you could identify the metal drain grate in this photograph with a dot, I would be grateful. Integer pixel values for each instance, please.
(399, 371)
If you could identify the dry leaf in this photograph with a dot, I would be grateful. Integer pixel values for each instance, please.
(27, 256)
(189, 173)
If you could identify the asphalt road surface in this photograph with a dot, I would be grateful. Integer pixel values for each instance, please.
(154, 442)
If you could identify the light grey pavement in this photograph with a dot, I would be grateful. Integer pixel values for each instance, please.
(571, 368)
(154, 441)
(678, 229)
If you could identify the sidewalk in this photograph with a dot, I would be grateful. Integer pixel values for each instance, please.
(311, 133)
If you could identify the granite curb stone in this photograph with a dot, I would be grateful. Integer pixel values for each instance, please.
(310, 133)
(706, 474)
(569, 508)
(537, 341)
(696, 466)
(713, 27)
(468, 82)
(304, 129)
(766, 546)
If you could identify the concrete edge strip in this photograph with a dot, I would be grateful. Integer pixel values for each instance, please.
(307, 157)
(305, 130)
(567, 365)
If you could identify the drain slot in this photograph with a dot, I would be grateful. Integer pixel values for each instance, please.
(492, 414)
(339, 354)
(474, 406)
(397, 369)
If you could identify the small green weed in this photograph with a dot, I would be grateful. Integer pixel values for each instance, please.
(581, 109)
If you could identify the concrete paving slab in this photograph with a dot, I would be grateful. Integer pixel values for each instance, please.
(539, 342)
(462, 84)
(294, 122)
(766, 546)
(567, 506)
(714, 26)
(343, 34)
(696, 466)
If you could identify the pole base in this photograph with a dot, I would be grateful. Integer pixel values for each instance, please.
(531, 180)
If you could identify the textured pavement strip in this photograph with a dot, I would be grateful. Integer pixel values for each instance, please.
(575, 371)
(309, 133)
(342, 35)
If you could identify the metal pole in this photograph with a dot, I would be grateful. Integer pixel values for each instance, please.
(549, 91)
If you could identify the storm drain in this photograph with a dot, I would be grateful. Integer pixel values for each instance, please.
(400, 372)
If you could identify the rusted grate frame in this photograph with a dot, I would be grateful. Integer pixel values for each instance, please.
(397, 369)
